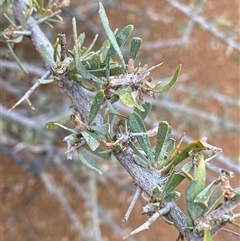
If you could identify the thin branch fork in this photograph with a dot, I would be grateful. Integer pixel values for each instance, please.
(52, 188)
(30, 91)
(205, 25)
(151, 220)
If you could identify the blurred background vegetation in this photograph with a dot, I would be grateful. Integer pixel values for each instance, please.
(46, 197)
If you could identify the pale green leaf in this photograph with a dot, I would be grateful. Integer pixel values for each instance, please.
(52, 125)
(207, 236)
(45, 81)
(135, 97)
(126, 98)
(80, 39)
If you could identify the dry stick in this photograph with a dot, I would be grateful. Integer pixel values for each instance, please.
(196, 113)
(32, 69)
(20, 119)
(52, 188)
(94, 207)
(231, 232)
(82, 194)
(28, 227)
(48, 17)
(174, 41)
(223, 99)
(30, 91)
(151, 220)
(131, 206)
(205, 25)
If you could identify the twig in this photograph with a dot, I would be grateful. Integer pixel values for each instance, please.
(123, 185)
(41, 20)
(231, 232)
(205, 25)
(219, 170)
(197, 113)
(30, 91)
(31, 167)
(105, 217)
(32, 69)
(52, 188)
(29, 227)
(175, 41)
(151, 220)
(223, 99)
(131, 206)
(94, 207)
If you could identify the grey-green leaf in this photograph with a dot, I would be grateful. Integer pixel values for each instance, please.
(173, 181)
(136, 125)
(135, 47)
(147, 106)
(171, 196)
(139, 161)
(16, 58)
(194, 188)
(163, 136)
(87, 160)
(110, 34)
(91, 141)
(47, 56)
(81, 39)
(96, 105)
(216, 197)
(121, 38)
(101, 129)
(84, 72)
(203, 197)
(171, 83)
